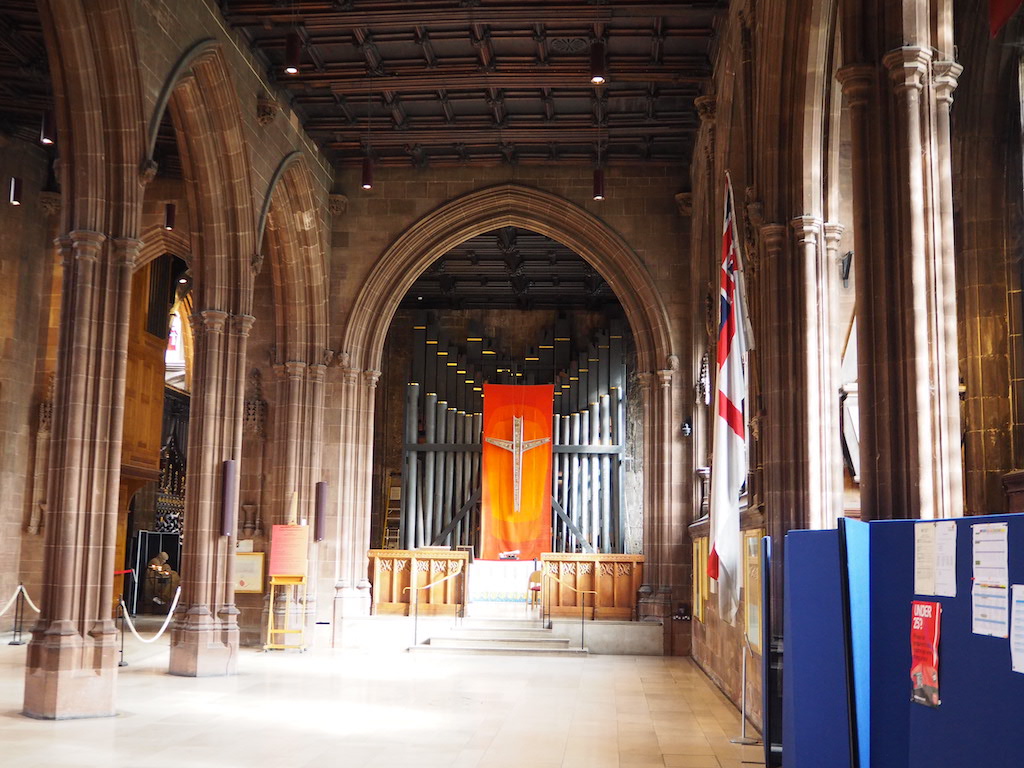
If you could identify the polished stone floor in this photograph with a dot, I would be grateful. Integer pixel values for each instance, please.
(388, 709)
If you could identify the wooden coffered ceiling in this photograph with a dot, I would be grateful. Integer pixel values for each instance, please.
(25, 92)
(483, 82)
(510, 268)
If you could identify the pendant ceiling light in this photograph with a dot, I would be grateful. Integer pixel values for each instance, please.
(15, 191)
(48, 131)
(599, 183)
(367, 181)
(598, 68)
(169, 214)
(292, 53)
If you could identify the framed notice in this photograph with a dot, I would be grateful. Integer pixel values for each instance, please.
(289, 547)
(249, 572)
(752, 611)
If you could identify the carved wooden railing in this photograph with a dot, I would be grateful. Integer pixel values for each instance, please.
(438, 578)
(600, 586)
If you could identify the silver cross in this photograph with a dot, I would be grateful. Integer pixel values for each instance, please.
(518, 447)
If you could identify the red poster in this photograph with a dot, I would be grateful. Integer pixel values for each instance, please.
(289, 545)
(516, 503)
(924, 652)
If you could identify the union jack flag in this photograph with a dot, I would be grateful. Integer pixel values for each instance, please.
(729, 437)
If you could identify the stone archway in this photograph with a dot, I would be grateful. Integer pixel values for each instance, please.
(398, 267)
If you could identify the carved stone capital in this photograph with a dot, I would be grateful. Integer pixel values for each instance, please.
(773, 236)
(213, 320)
(126, 250)
(684, 202)
(266, 110)
(241, 325)
(644, 380)
(907, 67)
(85, 245)
(706, 107)
(857, 81)
(806, 229)
(316, 373)
(337, 204)
(50, 202)
(665, 378)
(833, 232)
(370, 378)
(147, 171)
(945, 77)
(295, 370)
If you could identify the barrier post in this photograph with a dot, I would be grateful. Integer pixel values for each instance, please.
(19, 616)
(120, 626)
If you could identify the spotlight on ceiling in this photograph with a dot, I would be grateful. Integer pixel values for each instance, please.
(292, 53)
(48, 131)
(598, 68)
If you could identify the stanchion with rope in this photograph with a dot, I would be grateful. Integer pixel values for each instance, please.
(19, 599)
(120, 623)
(127, 619)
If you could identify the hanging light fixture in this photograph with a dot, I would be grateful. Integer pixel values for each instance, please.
(48, 131)
(367, 182)
(169, 213)
(292, 53)
(598, 68)
(15, 190)
(599, 183)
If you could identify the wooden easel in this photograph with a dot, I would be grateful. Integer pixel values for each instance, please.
(279, 639)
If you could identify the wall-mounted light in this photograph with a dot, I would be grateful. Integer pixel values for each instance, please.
(598, 68)
(845, 262)
(48, 130)
(15, 197)
(170, 212)
(292, 53)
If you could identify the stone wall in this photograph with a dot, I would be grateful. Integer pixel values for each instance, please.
(26, 261)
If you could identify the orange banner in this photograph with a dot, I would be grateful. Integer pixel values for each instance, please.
(516, 494)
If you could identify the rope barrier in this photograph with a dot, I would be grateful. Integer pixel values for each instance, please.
(28, 599)
(20, 589)
(167, 621)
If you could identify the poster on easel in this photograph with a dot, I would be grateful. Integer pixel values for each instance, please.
(924, 652)
(289, 550)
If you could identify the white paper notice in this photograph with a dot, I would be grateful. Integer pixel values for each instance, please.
(924, 558)
(1017, 628)
(945, 558)
(990, 555)
(989, 614)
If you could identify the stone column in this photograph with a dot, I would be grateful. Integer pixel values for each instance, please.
(782, 381)
(907, 371)
(72, 664)
(833, 232)
(204, 637)
(814, 282)
(355, 477)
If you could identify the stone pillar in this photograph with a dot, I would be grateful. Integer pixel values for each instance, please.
(72, 664)
(784, 485)
(814, 282)
(355, 477)
(907, 361)
(204, 636)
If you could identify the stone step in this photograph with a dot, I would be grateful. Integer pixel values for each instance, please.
(483, 633)
(535, 643)
(501, 624)
(498, 650)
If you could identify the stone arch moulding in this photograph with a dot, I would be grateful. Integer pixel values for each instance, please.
(202, 49)
(157, 241)
(286, 162)
(504, 205)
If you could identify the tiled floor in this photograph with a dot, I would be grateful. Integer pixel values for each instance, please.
(379, 710)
